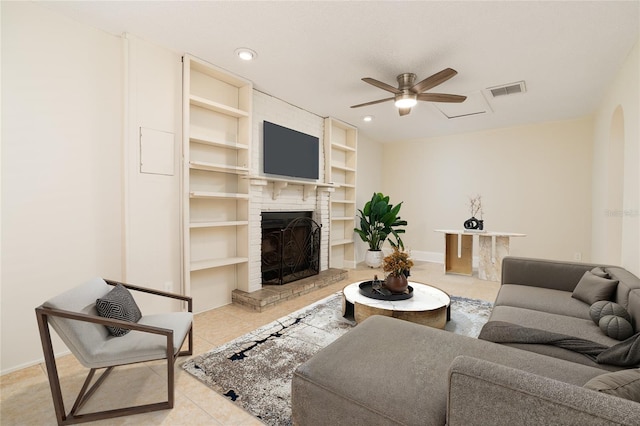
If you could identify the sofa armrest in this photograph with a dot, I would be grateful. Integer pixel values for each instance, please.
(553, 274)
(482, 392)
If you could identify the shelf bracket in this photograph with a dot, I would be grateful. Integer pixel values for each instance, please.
(307, 189)
(278, 186)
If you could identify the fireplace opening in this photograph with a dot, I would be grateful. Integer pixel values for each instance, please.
(290, 247)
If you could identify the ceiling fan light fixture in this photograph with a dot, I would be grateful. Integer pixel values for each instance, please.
(406, 100)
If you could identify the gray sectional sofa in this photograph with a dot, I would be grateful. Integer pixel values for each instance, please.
(391, 372)
(544, 295)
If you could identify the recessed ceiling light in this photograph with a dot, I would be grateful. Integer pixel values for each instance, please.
(367, 118)
(246, 54)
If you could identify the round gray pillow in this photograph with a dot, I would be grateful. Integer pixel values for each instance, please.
(604, 307)
(616, 327)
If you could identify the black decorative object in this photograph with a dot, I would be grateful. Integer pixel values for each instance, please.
(375, 290)
(474, 223)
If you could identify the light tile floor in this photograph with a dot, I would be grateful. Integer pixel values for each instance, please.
(25, 398)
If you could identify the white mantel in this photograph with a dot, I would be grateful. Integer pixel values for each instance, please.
(281, 183)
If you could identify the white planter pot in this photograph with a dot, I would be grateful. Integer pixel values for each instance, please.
(373, 258)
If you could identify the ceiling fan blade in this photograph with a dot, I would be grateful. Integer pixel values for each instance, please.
(440, 97)
(434, 80)
(372, 102)
(404, 111)
(381, 85)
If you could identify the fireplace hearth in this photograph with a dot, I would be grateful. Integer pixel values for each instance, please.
(290, 247)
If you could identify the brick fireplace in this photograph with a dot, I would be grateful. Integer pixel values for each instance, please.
(272, 196)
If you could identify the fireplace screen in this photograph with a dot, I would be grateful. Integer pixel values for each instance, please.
(290, 247)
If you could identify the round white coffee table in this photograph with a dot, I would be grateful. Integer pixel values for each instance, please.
(428, 306)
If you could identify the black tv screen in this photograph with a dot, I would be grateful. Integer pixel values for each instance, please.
(288, 152)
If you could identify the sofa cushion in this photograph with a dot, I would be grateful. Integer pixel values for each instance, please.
(623, 384)
(118, 304)
(604, 307)
(576, 327)
(592, 288)
(616, 327)
(486, 393)
(600, 272)
(627, 283)
(542, 299)
(553, 274)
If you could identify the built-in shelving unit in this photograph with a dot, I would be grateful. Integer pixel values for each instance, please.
(341, 144)
(217, 136)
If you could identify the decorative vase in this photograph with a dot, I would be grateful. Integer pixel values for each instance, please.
(373, 258)
(473, 223)
(396, 283)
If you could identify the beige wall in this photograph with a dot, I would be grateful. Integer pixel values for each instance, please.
(616, 210)
(368, 181)
(533, 179)
(61, 165)
(152, 208)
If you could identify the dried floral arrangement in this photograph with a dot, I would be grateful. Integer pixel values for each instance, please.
(475, 206)
(397, 263)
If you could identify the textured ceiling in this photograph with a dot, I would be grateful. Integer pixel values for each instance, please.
(314, 53)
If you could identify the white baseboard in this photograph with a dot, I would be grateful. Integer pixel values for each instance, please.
(32, 363)
(427, 256)
(436, 257)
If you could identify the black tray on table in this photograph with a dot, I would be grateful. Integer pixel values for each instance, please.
(366, 289)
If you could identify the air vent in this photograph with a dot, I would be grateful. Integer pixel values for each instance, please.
(508, 89)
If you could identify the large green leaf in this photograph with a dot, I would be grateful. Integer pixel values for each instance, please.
(379, 220)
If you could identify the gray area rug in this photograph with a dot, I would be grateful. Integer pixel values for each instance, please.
(255, 370)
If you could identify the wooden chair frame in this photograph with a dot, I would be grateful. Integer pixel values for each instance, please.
(43, 313)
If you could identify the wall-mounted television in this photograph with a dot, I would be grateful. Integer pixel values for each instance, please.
(288, 152)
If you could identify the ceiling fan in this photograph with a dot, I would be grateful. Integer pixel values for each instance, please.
(407, 94)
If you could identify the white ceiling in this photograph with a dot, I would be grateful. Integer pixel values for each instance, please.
(313, 53)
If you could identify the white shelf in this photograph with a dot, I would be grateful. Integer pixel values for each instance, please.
(217, 107)
(216, 263)
(341, 167)
(342, 147)
(340, 242)
(226, 195)
(201, 165)
(216, 142)
(343, 218)
(343, 201)
(213, 224)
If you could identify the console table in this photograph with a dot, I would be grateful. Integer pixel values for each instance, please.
(458, 252)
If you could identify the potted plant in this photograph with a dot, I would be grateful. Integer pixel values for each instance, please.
(397, 264)
(378, 220)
